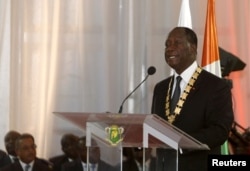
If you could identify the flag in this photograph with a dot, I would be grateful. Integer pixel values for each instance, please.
(210, 56)
(185, 19)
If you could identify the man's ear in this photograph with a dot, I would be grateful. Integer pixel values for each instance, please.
(63, 149)
(193, 49)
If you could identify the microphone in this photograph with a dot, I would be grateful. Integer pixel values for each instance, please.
(151, 71)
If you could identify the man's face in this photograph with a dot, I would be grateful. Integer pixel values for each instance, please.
(26, 150)
(138, 154)
(70, 148)
(94, 152)
(10, 142)
(179, 53)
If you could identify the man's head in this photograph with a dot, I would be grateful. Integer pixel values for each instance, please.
(10, 142)
(138, 154)
(181, 48)
(69, 144)
(94, 150)
(26, 148)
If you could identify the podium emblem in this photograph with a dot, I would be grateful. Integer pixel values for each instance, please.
(114, 134)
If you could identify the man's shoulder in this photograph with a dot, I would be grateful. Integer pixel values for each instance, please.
(3, 154)
(58, 158)
(12, 167)
(209, 74)
(42, 163)
(164, 82)
(105, 166)
(212, 78)
(72, 165)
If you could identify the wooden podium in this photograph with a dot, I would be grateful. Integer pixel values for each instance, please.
(114, 131)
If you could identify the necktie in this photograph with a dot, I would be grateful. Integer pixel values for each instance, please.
(176, 94)
(92, 167)
(26, 168)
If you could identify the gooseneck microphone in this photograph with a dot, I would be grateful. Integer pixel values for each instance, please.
(151, 71)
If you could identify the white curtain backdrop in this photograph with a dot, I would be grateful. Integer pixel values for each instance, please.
(88, 55)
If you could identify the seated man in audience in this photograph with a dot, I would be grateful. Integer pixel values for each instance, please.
(9, 142)
(26, 152)
(135, 163)
(95, 162)
(69, 143)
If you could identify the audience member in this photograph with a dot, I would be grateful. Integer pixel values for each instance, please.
(26, 152)
(95, 162)
(9, 142)
(69, 144)
(135, 163)
(127, 153)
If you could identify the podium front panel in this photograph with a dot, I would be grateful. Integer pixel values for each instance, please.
(115, 132)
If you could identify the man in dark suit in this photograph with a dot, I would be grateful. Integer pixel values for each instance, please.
(9, 142)
(69, 143)
(95, 162)
(26, 152)
(135, 162)
(204, 109)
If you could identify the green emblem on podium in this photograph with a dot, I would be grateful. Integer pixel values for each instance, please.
(114, 134)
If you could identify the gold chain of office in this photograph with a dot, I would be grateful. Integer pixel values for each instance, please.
(171, 116)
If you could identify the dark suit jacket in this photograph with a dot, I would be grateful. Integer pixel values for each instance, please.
(77, 166)
(130, 165)
(39, 165)
(207, 115)
(58, 161)
(4, 159)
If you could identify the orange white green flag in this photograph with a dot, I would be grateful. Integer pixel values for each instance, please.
(210, 56)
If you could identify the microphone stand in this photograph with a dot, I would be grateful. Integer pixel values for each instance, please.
(121, 107)
(151, 71)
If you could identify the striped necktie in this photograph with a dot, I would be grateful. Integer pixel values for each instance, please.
(26, 168)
